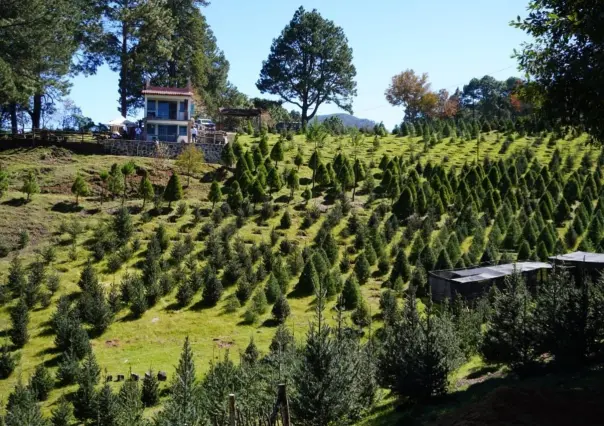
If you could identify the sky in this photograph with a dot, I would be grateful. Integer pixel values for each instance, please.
(452, 41)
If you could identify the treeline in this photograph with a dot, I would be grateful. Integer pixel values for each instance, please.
(169, 42)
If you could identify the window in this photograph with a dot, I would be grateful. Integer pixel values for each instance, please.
(167, 110)
(151, 109)
(182, 130)
(182, 106)
(167, 133)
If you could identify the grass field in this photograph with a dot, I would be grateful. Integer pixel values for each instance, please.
(155, 340)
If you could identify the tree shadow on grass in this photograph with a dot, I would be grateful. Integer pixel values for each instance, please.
(270, 322)
(92, 211)
(200, 305)
(53, 362)
(15, 202)
(282, 199)
(174, 306)
(66, 207)
(488, 369)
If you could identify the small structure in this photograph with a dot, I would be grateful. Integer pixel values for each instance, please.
(121, 125)
(168, 113)
(228, 117)
(162, 376)
(581, 263)
(474, 282)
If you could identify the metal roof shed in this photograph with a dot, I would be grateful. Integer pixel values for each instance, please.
(473, 282)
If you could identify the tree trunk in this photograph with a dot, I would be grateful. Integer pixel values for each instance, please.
(354, 189)
(124, 71)
(37, 111)
(13, 118)
(77, 199)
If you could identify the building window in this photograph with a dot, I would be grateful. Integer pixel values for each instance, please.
(167, 110)
(167, 133)
(151, 109)
(182, 106)
(182, 130)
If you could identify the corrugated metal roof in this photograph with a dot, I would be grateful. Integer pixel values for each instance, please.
(496, 271)
(175, 91)
(580, 256)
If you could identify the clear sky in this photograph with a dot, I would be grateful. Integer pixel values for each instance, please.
(453, 41)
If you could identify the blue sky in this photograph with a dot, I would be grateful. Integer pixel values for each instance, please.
(453, 41)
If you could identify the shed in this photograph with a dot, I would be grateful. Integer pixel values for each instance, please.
(473, 282)
(583, 263)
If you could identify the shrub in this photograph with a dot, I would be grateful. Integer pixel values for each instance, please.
(281, 309)
(41, 383)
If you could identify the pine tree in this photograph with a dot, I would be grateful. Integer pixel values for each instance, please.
(62, 414)
(524, 252)
(509, 338)
(145, 190)
(309, 280)
(361, 315)
(84, 403)
(286, 221)
(41, 383)
(362, 269)
(293, 182)
(185, 293)
(122, 225)
(263, 145)
(106, 407)
(419, 281)
(404, 206)
(257, 192)
(150, 391)
(443, 262)
(215, 195)
(183, 405)
(427, 258)
(16, 277)
(130, 405)
(213, 290)
(351, 293)
(227, 156)
(281, 309)
(79, 188)
(298, 160)
(251, 354)
(19, 317)
(277, 153)
(274, 180)
(173, 191)
(22, 408)
(7, 362)
(30, 185)
(272, 289)
(235, 197)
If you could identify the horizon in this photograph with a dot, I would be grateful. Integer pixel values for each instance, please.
(451, 62)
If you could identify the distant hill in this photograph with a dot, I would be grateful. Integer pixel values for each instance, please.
(349, 120)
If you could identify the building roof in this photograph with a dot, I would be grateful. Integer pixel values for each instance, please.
(496, 271)
(580, 256)
(240, 112)
(170, 91)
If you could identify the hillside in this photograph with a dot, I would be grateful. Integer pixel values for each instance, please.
(349, 120)
(155, 338)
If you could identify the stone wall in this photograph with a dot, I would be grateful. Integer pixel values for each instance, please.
(211, 151)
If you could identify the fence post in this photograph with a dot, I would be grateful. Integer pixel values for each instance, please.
(231, 409)
(282, 395)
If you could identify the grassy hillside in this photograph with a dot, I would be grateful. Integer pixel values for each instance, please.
(155, 340)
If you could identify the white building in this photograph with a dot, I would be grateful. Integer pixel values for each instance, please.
(168, 114)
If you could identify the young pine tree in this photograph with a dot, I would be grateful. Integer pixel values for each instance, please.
(19, 316)
(84, 400)
(173, 191)
(150, 390)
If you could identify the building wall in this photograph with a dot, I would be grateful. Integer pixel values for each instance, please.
(211, 151)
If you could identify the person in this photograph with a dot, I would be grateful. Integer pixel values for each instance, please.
(138, 133)
(194, 134)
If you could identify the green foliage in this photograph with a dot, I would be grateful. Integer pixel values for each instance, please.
(62, 414)
(362, 269)
(145, 190)
(30, 185)
(19, 316)
(509, 338)
(281, 309)
(84, 400)
(22, 408)
(79, 188)
(272, 289)
(361, 315)
(173, 191)
(309, 280)
(351, 293)
(213, 290)
(150, 390)
(41, 383)
(7, 362)
(123, 226)
(335, 84)
(215, 195)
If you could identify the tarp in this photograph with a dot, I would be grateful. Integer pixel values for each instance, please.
(496, 271)
(580, 256)
(120, 121)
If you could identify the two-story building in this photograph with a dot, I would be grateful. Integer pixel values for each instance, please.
(168, 113)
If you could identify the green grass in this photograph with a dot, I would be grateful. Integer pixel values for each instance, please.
(155, 340)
